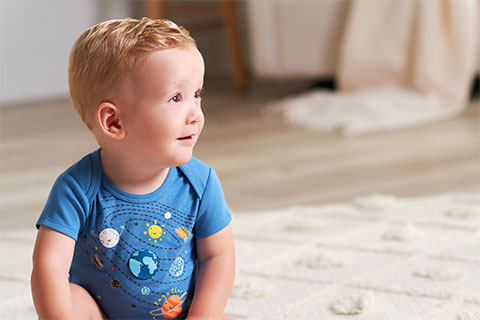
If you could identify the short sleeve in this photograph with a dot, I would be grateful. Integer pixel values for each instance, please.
(213, 214)
(67, 207)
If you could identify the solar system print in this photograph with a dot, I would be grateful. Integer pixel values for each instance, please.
(137, 260)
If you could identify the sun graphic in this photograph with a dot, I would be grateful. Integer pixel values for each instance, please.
(154, 231)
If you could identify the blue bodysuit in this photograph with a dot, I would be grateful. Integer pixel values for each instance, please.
(136, 254)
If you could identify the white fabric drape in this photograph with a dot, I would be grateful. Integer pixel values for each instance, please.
(295, 38)
(400, 63)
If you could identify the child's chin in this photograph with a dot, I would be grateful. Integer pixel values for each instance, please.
(183, 160)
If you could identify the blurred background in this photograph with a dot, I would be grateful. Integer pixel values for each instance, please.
(263, 161)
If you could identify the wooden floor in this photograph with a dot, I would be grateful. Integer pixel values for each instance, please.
(261, 161)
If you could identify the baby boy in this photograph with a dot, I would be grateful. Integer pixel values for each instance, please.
(138, 229)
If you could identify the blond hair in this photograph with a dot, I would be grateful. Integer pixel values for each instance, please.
(103, 55)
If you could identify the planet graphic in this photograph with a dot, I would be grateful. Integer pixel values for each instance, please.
(97, 262)
(171, 308)
(145, 291)
(176, 269)
(143, 264)
(109, 237)
(114, 283)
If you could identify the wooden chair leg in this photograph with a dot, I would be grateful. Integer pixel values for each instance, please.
(155, 9)
(235, 44)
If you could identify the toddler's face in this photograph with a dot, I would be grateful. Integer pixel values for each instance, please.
(163, 116)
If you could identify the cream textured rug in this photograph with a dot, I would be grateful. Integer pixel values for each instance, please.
(377, 257)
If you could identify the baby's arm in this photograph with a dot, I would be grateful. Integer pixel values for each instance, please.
(216, 257)
(53, 295)
(52, 257)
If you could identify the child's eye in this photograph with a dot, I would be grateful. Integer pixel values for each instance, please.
(198, 93)
(176, 98)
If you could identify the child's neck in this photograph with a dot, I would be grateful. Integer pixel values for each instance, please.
(132, 178)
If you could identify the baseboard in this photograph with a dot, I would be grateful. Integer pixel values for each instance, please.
(475, 89)
(330, 83)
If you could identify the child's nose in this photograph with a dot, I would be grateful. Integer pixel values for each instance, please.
(195, 114)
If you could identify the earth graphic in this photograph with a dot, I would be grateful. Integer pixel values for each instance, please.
(143, 264)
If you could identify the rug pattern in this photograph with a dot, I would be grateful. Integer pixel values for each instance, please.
(376, 257)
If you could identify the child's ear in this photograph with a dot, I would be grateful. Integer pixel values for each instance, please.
(110, 120)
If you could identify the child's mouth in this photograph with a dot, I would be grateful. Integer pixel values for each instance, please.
(186, 138)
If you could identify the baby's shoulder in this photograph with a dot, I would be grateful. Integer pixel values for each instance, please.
(86, 173)
(198, 173)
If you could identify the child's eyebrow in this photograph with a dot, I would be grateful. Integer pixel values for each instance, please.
(180, 83)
